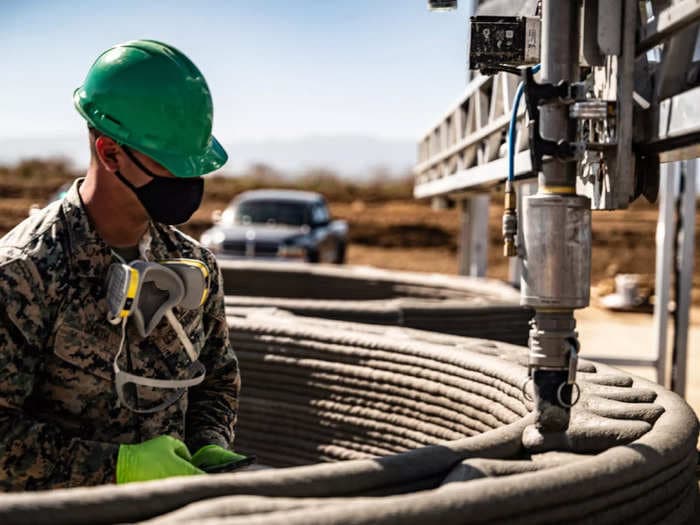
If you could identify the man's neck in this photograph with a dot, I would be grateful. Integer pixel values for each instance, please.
(111, 211)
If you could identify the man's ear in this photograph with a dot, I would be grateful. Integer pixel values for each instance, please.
(107, 150)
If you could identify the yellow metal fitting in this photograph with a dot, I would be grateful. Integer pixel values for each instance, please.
(509, 247)
(510, 221)
(509, 201)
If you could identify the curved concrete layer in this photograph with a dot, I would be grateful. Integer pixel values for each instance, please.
(429, 428)
(456, 305)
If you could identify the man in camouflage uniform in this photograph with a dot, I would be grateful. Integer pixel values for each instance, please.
(61, 425)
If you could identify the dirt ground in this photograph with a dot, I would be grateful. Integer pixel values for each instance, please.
(411, 236)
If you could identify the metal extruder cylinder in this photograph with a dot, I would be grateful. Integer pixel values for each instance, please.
(557, 251)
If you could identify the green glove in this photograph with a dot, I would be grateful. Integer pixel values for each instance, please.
(210, 457)
(157, 458)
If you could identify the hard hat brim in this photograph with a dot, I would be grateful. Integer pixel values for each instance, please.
(212, 158)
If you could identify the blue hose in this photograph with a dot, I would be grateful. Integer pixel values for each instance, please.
(511, 127)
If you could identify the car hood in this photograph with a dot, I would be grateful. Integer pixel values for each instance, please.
(262, 232)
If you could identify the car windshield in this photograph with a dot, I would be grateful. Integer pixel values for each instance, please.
(272, 212)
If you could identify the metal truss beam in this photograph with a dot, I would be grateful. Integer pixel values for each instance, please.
(667, 22)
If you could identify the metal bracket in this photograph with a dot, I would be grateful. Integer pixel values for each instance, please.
(593, 109)
(573, 360)
(499, 68)
(535, 95)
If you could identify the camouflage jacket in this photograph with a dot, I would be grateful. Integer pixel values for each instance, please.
(60, 421)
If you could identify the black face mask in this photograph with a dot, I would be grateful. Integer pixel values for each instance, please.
(167, 200)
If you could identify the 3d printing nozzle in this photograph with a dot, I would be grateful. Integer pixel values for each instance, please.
(510, 222)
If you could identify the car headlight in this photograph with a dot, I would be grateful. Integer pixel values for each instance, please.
(212, 240)
(291, 251)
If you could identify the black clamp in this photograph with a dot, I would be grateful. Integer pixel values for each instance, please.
(492, 69)
(535, 95)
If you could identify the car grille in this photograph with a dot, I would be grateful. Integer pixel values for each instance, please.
(235, 247)
(266, 248)
(258, 248)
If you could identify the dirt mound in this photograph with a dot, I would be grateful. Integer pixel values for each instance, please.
(387, 228)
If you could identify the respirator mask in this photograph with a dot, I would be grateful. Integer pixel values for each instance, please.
(146, 292)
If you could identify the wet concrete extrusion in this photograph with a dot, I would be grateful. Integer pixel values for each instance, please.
(385, 397)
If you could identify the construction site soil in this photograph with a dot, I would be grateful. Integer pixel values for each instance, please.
(402, 234)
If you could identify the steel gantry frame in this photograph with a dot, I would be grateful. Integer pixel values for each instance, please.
(465, 149)
(656, 85)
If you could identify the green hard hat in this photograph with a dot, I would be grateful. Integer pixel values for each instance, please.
(151, 97)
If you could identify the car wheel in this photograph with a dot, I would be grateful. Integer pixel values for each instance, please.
(339, 254)
(312, 256)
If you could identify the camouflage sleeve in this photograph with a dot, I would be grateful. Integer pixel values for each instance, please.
(213, 404)
(33, 454)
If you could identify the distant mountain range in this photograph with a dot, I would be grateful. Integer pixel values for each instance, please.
(348, 155)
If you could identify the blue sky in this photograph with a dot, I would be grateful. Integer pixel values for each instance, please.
(277, 69)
